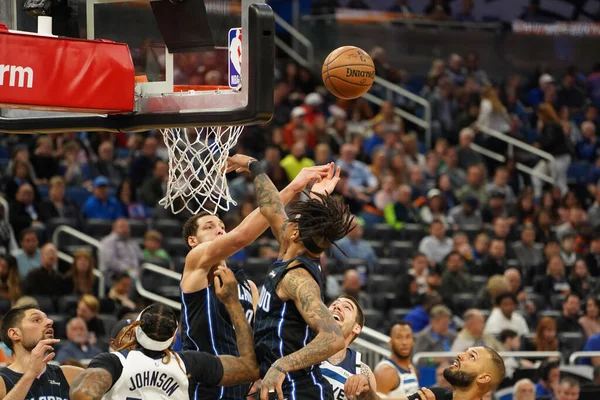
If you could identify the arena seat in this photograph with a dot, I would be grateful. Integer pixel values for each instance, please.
(402, 249)
(98, 228)
(378, 247)
(539, 300)
(462, 302)
(59, 325)
(471, 231)
(68, 304)
(396, 314)
(5, 305)
(179, 263)
(161, 262)
(550, 313)
(391, 266)
(138, 228)
(382, 232)
(78, 195)
(413, 233)
(571, 341)
(46, 303)
(108, 320)
(54, 223)
(380, 284)
(373, 318)
(169, 227)
(556, 301)
(175, 247)
(479, 280)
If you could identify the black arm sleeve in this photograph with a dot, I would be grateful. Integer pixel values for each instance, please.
(440, 394)
(110, 363)
(202, 367)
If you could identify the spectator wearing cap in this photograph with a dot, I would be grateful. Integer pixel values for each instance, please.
(536, 96)
(500, 185)
(298, 128)
(435, 208)
(153, 246)
(401, 211)
(119, 253)
(437, 336)
(354, 246)
(115, 334)
(57, 205)
(466, 215)
(101, 205)
(527, 251)
(294, 162)
(312, 104)
(78, 345)
(503, 316)
(436, 246)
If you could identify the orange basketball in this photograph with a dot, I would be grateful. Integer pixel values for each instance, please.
(348, 72)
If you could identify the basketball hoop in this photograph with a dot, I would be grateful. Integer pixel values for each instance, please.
(197, 163)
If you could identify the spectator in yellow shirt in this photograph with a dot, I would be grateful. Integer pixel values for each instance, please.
(296, 160)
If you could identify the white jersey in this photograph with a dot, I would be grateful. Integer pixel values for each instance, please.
(145, 378)
(409, 381)
(338, 374)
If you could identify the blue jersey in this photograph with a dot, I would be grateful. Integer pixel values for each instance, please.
(206, 326)
(280, 329)
(338, 374)
(52, 384)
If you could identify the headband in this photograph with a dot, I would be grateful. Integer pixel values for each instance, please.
(148, 343)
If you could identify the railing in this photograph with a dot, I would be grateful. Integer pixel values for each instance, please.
(371, 353)
(505, 354)
(153, 296)
(84, 238)
(309, 60)
(97, 273)
(512, 143)
(582, 354)
(390, 88)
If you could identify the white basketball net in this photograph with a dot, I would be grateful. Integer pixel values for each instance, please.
(197, 161)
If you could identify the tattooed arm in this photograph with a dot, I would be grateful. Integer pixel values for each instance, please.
(91, 384)
(299, 286)
(366, 371)
(245, 367)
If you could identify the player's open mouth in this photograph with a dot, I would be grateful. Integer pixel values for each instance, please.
(49, 332)
(338, 317)
(455, 364)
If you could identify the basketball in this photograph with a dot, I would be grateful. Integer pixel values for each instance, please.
(348, 72)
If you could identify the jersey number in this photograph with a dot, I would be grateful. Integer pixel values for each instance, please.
(265, 300)
(250, 317)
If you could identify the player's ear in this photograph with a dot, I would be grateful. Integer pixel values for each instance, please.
(356, 329)
(295, 237)
(192, 241)
(484, 379)
(14, 334)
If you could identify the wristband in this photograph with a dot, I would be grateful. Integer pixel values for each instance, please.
(255, 168)
(278, 368)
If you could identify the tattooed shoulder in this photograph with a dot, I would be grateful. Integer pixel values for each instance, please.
(365, 370)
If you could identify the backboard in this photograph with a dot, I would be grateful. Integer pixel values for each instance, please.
(197, 33)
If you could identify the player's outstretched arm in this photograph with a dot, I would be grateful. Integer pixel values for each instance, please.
(387, 379)
(208, 254)
(245, 367)
(299, 286)
(91, 384)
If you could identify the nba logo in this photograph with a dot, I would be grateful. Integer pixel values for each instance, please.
(235, 58)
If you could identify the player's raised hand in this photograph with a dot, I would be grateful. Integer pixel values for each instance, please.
(238, 163)
(41, 355)
(426, 394)
(307, 175)
(356, 387)
(327, 185)
(226, 286)
(271, 383)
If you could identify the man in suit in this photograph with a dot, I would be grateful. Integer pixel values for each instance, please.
(57, 205)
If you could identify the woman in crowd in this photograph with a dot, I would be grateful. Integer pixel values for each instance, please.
(81, 276)
(10, 283)
(590, 321)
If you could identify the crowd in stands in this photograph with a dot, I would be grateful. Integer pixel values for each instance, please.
(442, 232)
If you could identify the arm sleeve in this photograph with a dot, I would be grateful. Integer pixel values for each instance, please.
(202, 367)
(110, 363)
(440, 394)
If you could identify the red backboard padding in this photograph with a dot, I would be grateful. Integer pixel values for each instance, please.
(63, 74)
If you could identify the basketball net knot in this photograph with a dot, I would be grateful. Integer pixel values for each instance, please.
(197, 164)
